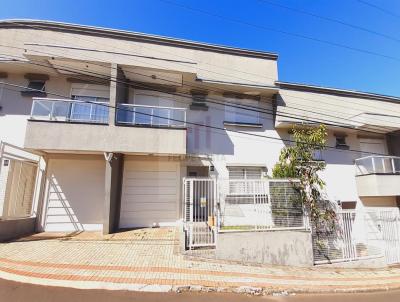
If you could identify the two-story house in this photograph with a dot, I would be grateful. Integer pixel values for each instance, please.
(120, 118)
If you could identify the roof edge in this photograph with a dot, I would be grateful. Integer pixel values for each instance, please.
(133, 36)
(337, 91)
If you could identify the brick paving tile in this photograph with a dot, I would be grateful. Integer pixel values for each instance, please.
(148, 256)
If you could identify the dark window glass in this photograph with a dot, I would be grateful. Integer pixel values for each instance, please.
(37, 85)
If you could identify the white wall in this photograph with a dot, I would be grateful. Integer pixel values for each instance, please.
(16, 109)
(227, 147)
(74, 193)
(343, 110)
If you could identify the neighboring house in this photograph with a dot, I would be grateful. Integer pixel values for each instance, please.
(182, 111)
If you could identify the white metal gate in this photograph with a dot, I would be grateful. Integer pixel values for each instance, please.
(388, 222)
(361, 235)
(200, 219)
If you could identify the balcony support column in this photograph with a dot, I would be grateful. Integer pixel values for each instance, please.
(118, 91)
(113, 187)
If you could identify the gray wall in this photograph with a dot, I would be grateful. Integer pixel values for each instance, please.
(267, 247)
(394, 143)
(113, 185)
(14, 228)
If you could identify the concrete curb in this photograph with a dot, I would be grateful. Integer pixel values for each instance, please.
(247, 290)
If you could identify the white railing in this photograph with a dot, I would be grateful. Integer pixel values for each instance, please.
(63, 110)
(130, 114)
(377, 165)
(260, 204)
(247, 186)
(359, 235)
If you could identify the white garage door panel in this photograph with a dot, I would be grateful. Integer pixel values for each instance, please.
(147, 165)
(153, 182)
(150, 193)
(62, 219)
(57, 210)
(161, 206)
(151, 175)
(75, 194)
(143, 215)
(150, 190)
(130, 199)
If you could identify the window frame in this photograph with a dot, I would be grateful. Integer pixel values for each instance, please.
(34, 91)
(245, 170)
(251, 118)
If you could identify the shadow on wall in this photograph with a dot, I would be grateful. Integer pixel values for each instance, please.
(12, 103)
(203, 140)
(59, 211)
(330, 155)
(222, 139)
(75, 196)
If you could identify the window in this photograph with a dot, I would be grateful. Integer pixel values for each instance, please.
(36, 88)
(341, 142)
(241, 116)
(37, 85)
(245, 172)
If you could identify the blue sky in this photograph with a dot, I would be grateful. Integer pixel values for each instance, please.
(300, 60)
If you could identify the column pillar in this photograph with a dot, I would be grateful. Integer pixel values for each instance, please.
(113, 187)
(114, 161)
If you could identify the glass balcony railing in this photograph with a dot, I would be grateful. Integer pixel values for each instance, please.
(63, 110)
(153, 116)
(377, 165)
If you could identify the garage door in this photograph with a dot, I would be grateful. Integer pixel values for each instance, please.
(150, 193)
(75, 196)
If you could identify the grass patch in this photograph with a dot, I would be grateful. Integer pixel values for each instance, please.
(237, 227)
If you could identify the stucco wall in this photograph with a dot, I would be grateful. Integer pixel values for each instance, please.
(75, 191)
(100, 138)
(379, 201)
(205, 63)
(315, 106)
(378, 185)
(16, 108)
(269, 247)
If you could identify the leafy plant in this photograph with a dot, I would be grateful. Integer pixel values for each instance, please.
(297, 161)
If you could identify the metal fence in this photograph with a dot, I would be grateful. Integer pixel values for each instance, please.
(387, 225)
(212, 206)
(357, 236)
(260, 205)
(69, 110)
(130, 114)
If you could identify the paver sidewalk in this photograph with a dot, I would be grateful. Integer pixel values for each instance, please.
(148, 260)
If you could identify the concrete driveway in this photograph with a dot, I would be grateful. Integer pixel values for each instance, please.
(148, 260)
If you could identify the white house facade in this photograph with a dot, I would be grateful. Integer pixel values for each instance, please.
(119, 119)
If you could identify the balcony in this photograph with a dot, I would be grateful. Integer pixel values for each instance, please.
(378, 176)
(151, 116)
(58, 125)
(74, 111)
